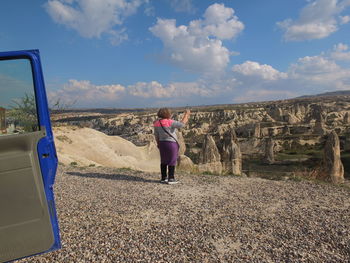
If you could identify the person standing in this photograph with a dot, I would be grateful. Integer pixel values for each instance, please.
(165, 135)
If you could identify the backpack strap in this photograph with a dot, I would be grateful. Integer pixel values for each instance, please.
(169, 133)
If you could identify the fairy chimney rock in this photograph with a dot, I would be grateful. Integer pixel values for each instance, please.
(181, 142)
(332, 163)
(231, 154)
(257, 130)
(319, 128)
(209, 159)
(269, 153)
(346, 119)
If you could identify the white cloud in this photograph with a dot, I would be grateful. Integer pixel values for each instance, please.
(308, 75)
(182, 6)
(259, 82)
(340, 52)
(151, 89)
(198, 46)
(84, 93)
(150, 11)
(313, 66)
(92, 18)
(249, 81)
(263, 95)
(265, 72)
(340, 47)
(320, 73)
(344, 19)
(317, 20)
(155, 89)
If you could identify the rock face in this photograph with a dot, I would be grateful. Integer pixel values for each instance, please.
(275, 112)
(333, 166)
(272, 131)
(231, 154)
(316, 112)
(184, 163)
(269, 153)
(346, 119)
(209, 159)
(181, 141)
(295, 125)
(268, 118)
(257, 130)
(286, 130)
(319, 128)
(291, 119)
(299, 110)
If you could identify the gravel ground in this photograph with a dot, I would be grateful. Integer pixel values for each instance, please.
(109, 215)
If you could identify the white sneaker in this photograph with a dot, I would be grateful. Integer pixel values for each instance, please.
(172, 181)
(164, 181)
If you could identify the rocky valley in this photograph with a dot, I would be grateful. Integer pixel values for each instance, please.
(112, 207)
(286, 137)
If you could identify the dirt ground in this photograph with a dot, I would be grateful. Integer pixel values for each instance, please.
(120, 215)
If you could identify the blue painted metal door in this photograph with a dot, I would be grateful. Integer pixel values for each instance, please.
(28, 159)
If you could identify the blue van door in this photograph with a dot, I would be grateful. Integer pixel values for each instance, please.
(28, 160)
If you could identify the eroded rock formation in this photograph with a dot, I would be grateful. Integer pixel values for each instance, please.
(184, 163)
(332, 164)
(346, 118)
(269, 156)
(231, 154)
(275, 112)
(291, 118)
(319, 128)
(316, 112)
(182, 144)
(209, 159)
(286, 130)
(294, 125)
(257, 130)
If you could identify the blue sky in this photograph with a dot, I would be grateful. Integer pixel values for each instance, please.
(151, 53)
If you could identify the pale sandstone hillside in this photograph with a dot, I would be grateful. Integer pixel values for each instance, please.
(87, 146)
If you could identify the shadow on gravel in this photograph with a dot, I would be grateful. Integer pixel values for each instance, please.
(121, 177)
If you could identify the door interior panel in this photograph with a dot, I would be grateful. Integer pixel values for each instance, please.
(25, 226)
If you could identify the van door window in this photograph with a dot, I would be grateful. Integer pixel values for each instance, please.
(18, 113)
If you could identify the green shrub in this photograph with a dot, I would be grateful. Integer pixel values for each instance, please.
(24, 113)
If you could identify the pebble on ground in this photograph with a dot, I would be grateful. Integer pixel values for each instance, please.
(120, 215)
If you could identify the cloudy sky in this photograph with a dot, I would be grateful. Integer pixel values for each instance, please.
(151, 53)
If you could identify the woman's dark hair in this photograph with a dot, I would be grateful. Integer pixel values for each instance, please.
(164, 113)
